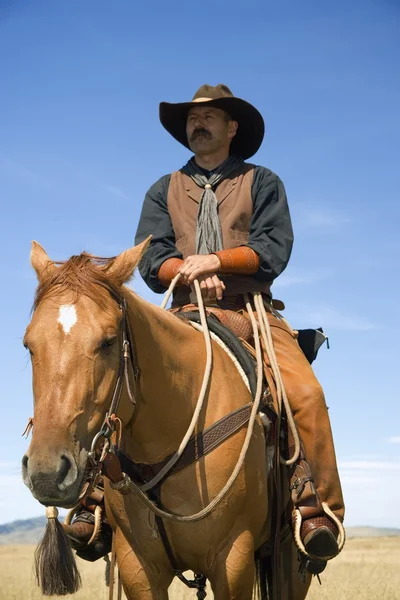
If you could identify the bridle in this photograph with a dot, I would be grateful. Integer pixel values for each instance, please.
(127, 357)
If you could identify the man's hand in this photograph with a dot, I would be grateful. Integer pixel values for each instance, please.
(204, 268)
(212, 288)
(199, 264)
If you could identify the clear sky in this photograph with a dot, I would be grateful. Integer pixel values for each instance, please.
(80, 143)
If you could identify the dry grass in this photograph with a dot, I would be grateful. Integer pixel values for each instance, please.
(368, 569)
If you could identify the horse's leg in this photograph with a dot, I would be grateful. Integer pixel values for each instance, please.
(233, 572)
(141, 579)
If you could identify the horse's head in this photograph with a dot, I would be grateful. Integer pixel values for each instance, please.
(75, 347)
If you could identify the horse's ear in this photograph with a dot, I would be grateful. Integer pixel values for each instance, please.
(40, 260)
(123, 266)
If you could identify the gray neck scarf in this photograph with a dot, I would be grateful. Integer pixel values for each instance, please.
(208, 230)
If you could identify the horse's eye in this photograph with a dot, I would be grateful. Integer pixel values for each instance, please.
(108, 343)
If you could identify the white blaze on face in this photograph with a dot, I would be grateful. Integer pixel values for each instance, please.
(67, 317)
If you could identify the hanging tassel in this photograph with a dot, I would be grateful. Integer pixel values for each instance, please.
(54, 563)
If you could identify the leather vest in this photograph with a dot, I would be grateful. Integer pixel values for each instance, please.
(235, 209)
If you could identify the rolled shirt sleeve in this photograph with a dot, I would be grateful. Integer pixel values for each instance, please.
(271, 233)
(155, 221)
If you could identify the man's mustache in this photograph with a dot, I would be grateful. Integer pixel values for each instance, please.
(201, 131)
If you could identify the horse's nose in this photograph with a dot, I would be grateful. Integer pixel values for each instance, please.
(50, 477)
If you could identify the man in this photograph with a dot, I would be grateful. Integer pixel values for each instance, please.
(227, 223)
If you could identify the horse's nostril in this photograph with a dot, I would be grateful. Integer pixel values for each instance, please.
(64, 469)
(25, 462)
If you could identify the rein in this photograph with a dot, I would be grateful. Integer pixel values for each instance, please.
(128, 484)
(108, 427)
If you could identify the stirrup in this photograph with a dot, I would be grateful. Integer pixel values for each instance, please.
(313, 562)
(98, 541)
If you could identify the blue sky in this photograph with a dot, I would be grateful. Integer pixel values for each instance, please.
(80, 143)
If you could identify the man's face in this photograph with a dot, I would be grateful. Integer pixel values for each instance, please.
(209, 130)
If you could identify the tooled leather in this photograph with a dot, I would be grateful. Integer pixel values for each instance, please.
(200, 445)
(234, 321)
(309, 526)
(240, 261)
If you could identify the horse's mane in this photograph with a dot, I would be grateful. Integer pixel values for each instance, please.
(83, 274)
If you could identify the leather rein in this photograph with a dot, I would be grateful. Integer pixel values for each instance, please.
(198, 446)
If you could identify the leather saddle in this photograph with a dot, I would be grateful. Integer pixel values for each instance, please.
(234, 328)
(231, 329)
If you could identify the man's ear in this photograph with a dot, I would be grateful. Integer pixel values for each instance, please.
(232, 129)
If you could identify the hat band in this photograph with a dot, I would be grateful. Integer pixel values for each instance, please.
(203, 99)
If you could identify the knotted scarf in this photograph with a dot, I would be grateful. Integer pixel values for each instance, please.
(208, 230)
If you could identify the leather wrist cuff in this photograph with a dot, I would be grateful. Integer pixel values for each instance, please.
(238, 261)
(168, 270)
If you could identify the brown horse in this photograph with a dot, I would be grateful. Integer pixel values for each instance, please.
(75, 346)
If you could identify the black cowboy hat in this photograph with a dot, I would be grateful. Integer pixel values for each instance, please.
(251, 128)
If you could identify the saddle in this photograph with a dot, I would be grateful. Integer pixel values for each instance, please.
(310, 340)
(231, 319)
(228, 328)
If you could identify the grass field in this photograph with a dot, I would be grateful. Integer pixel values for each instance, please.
(367, 569)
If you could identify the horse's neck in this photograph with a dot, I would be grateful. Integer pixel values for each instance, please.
(171, 359)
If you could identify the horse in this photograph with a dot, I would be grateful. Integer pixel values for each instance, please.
(75, 346)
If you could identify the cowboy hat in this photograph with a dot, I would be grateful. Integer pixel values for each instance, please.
(251, 128)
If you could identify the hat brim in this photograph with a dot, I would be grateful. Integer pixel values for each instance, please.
(250, 133)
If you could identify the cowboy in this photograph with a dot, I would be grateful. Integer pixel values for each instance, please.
(226, 223)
